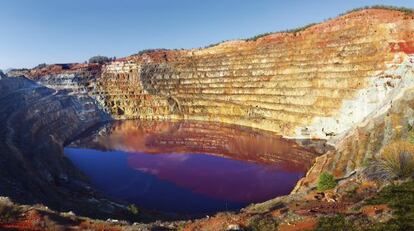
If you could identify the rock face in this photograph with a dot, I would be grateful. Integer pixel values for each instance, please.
(35, 122)
(365, 141)
(2, 75)
(316, 83)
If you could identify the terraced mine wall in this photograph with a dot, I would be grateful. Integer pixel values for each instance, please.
(315, 83)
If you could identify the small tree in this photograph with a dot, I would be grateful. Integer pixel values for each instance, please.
(326, 181)
(99, 59)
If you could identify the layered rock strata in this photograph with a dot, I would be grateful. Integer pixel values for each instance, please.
(363, 144)
(316, 83)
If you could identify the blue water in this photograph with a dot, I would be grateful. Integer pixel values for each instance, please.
(192, 183)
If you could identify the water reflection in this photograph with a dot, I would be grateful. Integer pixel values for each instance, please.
(190, 167)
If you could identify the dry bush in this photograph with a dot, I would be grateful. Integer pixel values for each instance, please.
(396, 161)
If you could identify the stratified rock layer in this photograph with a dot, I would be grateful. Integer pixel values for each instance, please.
(363, 144)
(316, 83)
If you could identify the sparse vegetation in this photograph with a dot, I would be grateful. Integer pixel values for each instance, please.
(99, 59)
(265, 223)
(254, 38)
(147, 51)
(342, 223)
(401, 199)
(215, 44)
(337, 223)
(397, 159)
(385, 7)
(302, 28)
(294, 31)
(299, 29)
(40, 66)
(326, 181)
(133, 209)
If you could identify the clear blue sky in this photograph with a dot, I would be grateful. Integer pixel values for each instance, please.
(58, 31)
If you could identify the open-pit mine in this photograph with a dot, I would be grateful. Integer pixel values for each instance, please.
(172, 135)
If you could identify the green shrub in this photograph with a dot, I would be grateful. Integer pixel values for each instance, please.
(326, 181)
(401, 199)
(99, 59)
(133, 209)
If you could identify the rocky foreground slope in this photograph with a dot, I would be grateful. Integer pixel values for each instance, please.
(349, 80)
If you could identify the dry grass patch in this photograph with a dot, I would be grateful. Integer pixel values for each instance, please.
(397, 159)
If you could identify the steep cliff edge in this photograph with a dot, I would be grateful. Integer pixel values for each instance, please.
(35, 122)
(353, 153)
